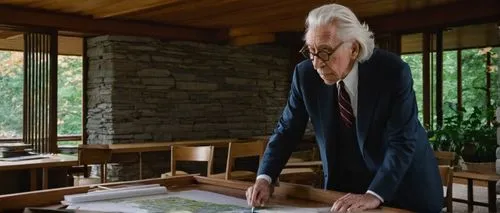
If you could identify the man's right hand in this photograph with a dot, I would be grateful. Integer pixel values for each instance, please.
(259, 193)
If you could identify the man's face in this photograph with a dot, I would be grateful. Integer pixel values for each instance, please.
(330, 57)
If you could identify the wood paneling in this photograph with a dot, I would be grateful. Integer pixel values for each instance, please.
(253, 39)
(22, 17)
(191, 19)
(67, 45)
(457, 38)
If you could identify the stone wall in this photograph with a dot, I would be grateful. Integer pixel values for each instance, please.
(144, 90)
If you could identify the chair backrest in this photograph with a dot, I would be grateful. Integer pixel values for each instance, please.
(94, 154)
(445, 158)
(446, 173)
(243, 149)
(191, 153)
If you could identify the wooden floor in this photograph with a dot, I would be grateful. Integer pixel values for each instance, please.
(480, 194)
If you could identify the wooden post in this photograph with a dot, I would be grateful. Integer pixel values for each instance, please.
(33, 185)
(439, 78)
(459, 82)
(426, 78)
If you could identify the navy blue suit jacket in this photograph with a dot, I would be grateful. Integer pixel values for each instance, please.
(392, 141)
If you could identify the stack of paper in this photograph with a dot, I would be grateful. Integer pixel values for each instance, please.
(125, 192)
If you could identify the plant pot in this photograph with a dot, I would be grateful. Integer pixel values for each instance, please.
(482, 167)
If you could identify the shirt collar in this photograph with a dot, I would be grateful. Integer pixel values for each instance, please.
(351, 80)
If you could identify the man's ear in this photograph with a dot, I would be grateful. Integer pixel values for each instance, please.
(355, 50)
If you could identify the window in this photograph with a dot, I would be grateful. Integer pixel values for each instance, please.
(415, 63)
(11, 94)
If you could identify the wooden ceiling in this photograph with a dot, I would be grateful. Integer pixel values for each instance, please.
(13, 41)
(239, 22)
(472, 36)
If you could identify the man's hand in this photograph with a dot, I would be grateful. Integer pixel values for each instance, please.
(355, 203)
(259, 193)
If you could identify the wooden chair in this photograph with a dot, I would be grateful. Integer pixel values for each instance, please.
(446, 173)
(446, 162)
(239, 150)
(98, 154)
(445, 158)
(190, 153)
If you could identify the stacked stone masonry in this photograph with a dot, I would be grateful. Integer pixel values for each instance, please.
(149, 90)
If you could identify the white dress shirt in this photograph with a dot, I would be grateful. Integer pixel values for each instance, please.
(351, 82)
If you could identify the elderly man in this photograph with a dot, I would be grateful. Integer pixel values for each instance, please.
(362, 105)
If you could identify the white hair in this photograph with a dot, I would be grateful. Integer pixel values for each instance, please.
(348, 27)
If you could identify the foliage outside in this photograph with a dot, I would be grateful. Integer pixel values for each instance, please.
(473, 124)
(11, 93)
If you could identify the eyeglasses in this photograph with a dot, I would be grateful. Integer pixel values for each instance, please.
(322, 54)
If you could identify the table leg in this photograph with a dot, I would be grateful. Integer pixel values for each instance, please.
(470, 195)
(140, 165)
(492, 196)
(33, 180)
(45, 178)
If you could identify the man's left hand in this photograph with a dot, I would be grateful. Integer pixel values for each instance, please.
(355, 203)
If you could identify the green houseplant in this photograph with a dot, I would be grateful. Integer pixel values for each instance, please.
(473, 137)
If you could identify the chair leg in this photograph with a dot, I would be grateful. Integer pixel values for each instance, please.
(103, 173)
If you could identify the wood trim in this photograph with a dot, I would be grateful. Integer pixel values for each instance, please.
(439, 78)
(459, 82)
(10, 34)
(52, 75)
(54, 161)
(253, 39)
(426, 78)
(165, 146)
(33, 178)
(59, 138)
(488, 81)
(471, 12)
(85, 77)
(135, 9)
(85, 24)
(436, 17)
(275, 26)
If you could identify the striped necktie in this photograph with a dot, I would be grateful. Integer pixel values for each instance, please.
(345, 106)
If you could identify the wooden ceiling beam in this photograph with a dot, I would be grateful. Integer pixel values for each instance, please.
(296, 24)
(471, 12)
(253, 39)
(132, 7)
(260, 13)
(454, 14)
(9, 34)
(35, 18)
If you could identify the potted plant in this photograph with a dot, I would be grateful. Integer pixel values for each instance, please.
(473, 138)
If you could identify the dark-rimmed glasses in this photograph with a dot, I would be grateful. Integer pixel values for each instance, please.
(322, 54)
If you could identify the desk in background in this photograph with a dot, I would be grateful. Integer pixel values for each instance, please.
(44, 164)
(491, 179)
(139, 148)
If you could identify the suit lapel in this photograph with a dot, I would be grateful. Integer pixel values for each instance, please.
(328, 108)
(368, 94)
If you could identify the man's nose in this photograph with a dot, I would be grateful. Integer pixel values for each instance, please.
(317, 63)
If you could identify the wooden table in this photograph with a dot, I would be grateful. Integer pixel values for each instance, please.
(304, 164)
(165, 146)
(491, 179)
(58, 160)
(286, 194)
(139, 148)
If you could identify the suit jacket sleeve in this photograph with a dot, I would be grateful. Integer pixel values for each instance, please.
(288, 132)
(401, 131)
